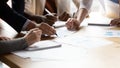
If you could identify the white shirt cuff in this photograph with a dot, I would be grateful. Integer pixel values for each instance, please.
(86, 4)
(25, 25)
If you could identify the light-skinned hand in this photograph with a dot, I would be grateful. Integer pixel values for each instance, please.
(3, 38)
(46, 29)
(34, 35)
(72, 24)
(115, 22)
(50, 19)
(64, 16)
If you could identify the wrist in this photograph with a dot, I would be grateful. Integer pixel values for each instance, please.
(31, 25)
(78, 21)
(27, 41)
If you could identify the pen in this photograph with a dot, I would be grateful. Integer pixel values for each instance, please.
(52, 15)
(48, 12)
(95, 24)
(56, 34)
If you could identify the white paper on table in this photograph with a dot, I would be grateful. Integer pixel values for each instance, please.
(59, 24)
(63, 53)
(62, 23)
(85, 41)
(63, 32)
(73, 51)
(112, 33)
(41, 45)
(38, 46)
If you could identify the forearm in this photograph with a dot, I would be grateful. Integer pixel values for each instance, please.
(37, 19)
(84, 8)
(86, 4)
(82, 14)
(13, 18)
(13, 45)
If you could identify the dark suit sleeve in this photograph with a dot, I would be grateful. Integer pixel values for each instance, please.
(13, 18)
(18, 6)
(13, 45)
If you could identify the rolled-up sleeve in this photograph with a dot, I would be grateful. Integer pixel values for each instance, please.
(86, 4)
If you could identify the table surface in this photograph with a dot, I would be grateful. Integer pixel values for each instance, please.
(102, 57)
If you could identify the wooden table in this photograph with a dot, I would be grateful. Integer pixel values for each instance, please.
(101, 57)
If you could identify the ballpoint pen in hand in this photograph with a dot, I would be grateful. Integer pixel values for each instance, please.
(48, 12)
(56, 34)
(52, 15)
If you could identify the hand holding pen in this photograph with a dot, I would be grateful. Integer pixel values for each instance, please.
(51, 15)
(48, 12)
(46, 29)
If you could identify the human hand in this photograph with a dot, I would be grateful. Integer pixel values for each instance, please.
(72, 24)
(50, 19)
(115, 22)
(64, 16)
(34, 35)
(46, 29)
(3, 38)
(75, 15)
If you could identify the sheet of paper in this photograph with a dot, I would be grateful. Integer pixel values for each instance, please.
(112, 33)
(102, 31)
(73, 48)
(57, 54)
(59, 24)
(63, 32)
(85, 41)
(41, 45)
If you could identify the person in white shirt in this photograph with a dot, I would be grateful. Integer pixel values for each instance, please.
(85, 5)
(36, 7)
(116, 22)
(73, 23)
